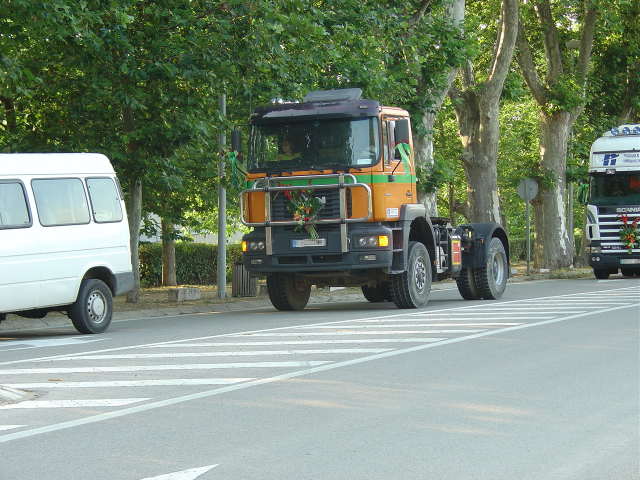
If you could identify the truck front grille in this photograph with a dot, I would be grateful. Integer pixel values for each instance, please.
(331, 209)
(610, 224)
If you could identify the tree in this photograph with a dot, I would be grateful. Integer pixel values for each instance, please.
(477, 105)
(561, 95)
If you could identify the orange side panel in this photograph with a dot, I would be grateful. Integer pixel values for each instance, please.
(359, 202)
(388, 198)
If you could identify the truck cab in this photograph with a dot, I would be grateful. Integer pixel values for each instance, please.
(614, 200)
(333, 202)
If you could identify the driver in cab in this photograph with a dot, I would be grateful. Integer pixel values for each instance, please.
(287, 151)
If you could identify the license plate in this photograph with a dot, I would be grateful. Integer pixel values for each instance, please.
(628, 261)
(309, 242)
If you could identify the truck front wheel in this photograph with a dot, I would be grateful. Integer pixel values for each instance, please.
(491, 278)
(287, 293)
(411, 288)
(601, 274)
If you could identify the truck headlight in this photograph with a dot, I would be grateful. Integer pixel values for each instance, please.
(252, 246)
(373, 241)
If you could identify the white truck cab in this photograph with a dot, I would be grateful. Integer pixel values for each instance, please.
(64, 238)
(614, 196)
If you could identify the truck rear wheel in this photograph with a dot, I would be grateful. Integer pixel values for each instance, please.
(467, 287)
(601, 274)
(286, 293)
(411, 288)
(491, 279)
(379, 293)
(629, 272)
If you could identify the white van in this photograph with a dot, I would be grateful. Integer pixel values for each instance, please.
(64, 238)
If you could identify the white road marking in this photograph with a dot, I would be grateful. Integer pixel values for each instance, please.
(378, 324)
(248, 353)
(472, 314)
(189, 474)
(134, 383)
(50, 342)
(394, 332)
(155, 368)
(101, 402)
(10, 427)
(300, 342)
(286, 376)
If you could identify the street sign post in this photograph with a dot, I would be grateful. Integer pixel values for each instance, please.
(527, 190)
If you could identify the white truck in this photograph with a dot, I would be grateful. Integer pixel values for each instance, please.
(614, 199)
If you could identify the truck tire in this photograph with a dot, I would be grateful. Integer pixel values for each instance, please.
(92, 311)
(629, 272)
(467, 287)
(411, 288)
(379, 293)
(287, 294)
(601, 274)
(491, 279)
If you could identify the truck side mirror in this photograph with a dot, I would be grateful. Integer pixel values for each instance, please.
(236, 140)
(402, 131)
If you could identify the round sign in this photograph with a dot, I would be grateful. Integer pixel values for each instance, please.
(527, 189)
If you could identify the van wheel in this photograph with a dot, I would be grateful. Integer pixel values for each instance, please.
(491, 278)
(411, 288)
(467, 286)
(92, 311)
(379, 293)
(286, 293)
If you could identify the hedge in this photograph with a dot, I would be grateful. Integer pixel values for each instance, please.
(196, 263)
(518, 247)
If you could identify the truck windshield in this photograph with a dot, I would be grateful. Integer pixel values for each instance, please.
(617, 189)
(314, 144)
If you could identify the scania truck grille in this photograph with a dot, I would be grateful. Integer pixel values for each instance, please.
(610, 224)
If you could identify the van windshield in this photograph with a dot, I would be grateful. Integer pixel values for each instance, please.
(622, 188)
(314, 144)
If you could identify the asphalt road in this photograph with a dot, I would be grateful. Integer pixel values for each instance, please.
(542, 384)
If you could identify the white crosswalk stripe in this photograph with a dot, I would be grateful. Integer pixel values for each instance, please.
(299, 342)
(338, 332)
(134, 383)
(10, 427)
(100, 402)
(249, 353)
(149, 368)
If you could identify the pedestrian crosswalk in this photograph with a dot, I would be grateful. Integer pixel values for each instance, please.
(161, 372)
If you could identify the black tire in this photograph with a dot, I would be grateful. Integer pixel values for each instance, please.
(601, 274)
(629, 272)
(491, 279)
(411, 288)
(467, 287)
(286, 293)
(379, 293)
(92, 311)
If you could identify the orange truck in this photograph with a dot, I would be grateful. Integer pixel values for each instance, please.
(332, 200)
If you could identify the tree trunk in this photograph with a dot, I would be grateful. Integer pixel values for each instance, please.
(479, 132)
(134, 212)
(556, 243)
(168, 254)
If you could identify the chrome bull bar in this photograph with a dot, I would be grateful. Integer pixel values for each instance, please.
(266, 186)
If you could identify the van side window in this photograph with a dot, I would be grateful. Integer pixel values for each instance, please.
(14, 212)
(105, 202)
(60, 201)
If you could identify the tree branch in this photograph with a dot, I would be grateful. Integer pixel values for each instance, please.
(528, 68)
(505, 47)
(551, 41)
(586, 43)
(424, 6)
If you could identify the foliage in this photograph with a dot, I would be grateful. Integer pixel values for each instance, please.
(196, 263)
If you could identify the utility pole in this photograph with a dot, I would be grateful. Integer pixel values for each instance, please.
(222, 207)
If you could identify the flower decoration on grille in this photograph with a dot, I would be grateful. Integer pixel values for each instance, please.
(304, 207)
(629, 233)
